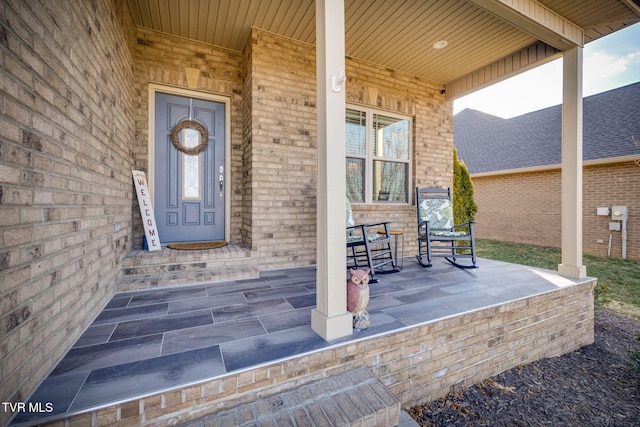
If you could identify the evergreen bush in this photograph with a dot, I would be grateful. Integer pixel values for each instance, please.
(464, 208)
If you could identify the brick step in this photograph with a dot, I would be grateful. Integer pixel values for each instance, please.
(136, 282)
(139, 261)
(174, 266)
(169, 267)
(354, 398)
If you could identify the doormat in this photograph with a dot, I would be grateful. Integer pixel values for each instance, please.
(196, 245)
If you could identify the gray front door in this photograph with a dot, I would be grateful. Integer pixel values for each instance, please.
(189, 188)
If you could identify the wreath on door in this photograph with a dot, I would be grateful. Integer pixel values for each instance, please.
(191, 151)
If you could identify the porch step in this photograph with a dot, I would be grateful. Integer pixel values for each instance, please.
(170, 267)
(355, 398)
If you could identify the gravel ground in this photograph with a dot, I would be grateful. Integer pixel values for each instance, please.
(592, 386)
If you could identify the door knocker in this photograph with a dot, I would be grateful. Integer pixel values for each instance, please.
(190, 129)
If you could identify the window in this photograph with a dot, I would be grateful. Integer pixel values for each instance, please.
(190, 165)
(378, 153)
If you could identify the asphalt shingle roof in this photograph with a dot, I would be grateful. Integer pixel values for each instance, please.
(488, 143)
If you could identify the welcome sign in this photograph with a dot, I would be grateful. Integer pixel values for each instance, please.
(146, 211)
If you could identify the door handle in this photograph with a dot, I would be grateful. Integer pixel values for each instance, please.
(221, 180)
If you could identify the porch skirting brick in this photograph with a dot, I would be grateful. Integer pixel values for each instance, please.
(417, 364)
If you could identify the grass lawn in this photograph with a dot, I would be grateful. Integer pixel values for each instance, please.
(618, 279)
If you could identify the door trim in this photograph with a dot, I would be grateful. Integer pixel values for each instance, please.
(153, 89)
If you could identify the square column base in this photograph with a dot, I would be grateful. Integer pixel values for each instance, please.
(573, 272)
(331, 328)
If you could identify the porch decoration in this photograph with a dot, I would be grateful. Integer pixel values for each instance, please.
(196, 246)
(146, 211)
(190, 124)
(358, 297)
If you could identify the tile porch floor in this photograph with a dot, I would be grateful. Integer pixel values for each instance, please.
(147, 341)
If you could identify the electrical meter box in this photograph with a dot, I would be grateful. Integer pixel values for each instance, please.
(619, 213)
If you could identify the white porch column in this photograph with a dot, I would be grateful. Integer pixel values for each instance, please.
(330, 319)
(571, 265)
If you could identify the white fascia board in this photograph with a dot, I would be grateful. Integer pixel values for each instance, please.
(542, 168)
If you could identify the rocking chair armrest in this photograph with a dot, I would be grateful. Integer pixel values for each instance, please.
(384, 232)
(423, 229)
(361, 227)
(424, 224)
(464, 224)
(365, 226)
(376, 224)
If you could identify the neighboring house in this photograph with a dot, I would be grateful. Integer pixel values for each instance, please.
(515, 167)
(91, 90)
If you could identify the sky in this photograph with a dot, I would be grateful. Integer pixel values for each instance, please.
(609, 62)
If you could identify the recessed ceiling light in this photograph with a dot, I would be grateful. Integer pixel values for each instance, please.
(440, 44)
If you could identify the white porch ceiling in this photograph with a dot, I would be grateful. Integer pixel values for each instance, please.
(483, 46)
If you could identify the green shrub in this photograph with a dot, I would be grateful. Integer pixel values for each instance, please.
(464, 208)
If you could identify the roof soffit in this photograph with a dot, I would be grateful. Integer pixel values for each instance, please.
(399, 35)
(538, 20)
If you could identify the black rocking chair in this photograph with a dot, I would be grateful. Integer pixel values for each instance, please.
(369, 245)
(437, 234)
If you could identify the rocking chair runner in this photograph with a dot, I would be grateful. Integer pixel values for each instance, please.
(367, 246)
(437, 234)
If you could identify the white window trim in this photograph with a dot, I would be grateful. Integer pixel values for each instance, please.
(369, 157)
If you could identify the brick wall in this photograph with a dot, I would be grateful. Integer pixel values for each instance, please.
(66, 126)
(281, 143)
(247, 126)
(521, 208)
(525, 208)
(417, 365)
(606, 185)
(379, 87)
(272, 90)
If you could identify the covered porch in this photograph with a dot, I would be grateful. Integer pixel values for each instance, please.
(80, 103)
(172, 355)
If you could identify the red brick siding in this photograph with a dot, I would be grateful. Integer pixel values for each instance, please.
(525, 208)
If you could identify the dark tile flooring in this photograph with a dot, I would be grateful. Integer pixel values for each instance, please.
(148, 341)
